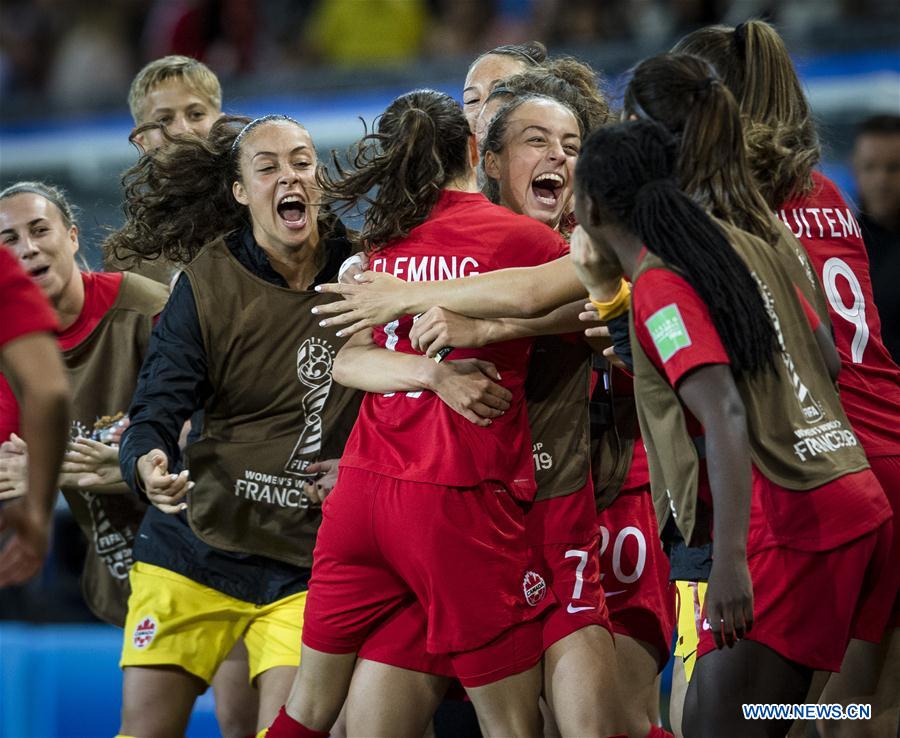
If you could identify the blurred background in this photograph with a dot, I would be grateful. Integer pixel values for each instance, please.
(65, 68)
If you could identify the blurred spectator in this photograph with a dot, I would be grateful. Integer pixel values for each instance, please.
(349, 33)
(563, 22)
(465, 27)
(222, 33)
(876, 166)
(93, 62)
(29, 33)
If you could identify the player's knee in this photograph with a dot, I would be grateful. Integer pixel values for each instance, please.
(235, 719)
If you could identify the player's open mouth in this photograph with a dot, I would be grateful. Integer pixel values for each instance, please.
(292, 211)
(547, 188)
(39, 272)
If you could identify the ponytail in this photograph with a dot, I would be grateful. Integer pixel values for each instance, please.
(685, 95)
(781, 136)
(629, 170)
(421, 144)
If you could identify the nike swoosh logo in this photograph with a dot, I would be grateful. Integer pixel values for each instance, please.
(706, 624)
(617, 592)
(572, 610)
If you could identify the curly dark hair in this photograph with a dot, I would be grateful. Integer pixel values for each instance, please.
(178, 197)
(566, 79)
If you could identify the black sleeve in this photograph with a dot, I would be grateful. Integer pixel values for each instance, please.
(621, 338)
(173, 383)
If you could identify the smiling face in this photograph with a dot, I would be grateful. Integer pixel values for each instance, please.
(278, 185)
(483, 76)
(34, 230)
(535, 168)
(179, 108)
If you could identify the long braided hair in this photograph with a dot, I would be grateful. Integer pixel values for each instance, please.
(630, 171)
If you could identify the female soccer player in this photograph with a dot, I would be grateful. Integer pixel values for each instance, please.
(531, 145)
(783, 147)
(795, 506)
(225, 550)
(105, 322)
(505, 158)
(633, 565)
(424, 468)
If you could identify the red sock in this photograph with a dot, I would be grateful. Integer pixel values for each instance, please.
(657, 732)
(285, 726)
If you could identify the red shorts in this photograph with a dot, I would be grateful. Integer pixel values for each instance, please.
(805, 603)
(635, 572)
(563, 536)
(460, 552)
(399, 640)
(887, 469)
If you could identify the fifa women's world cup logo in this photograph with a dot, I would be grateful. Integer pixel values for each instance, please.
(314, 361)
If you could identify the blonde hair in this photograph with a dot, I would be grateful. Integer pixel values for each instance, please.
(781, 135)
(195, 75)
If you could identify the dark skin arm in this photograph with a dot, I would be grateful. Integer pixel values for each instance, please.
(712, 396)
(828, 350)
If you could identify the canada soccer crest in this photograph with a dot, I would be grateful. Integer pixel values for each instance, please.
(534, 587)
(144, 633)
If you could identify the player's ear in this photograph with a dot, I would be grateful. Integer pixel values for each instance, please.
(240, 194)
(491, 165)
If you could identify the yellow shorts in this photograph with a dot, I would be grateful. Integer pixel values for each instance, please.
(689, 604)
(174, 621)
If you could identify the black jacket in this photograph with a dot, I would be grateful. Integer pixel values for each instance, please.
(172, 386)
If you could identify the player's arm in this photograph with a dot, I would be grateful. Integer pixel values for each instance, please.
(710, 393)
(824, 340)
(521, 292)
(438, 328)
(45, 408)
(828, 350)
(173, 383)
(469, 386)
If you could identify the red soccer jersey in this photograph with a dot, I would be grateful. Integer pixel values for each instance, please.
(24, 309)
(414, 435)
(869, 379)
(815, 520)
(100, 292)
